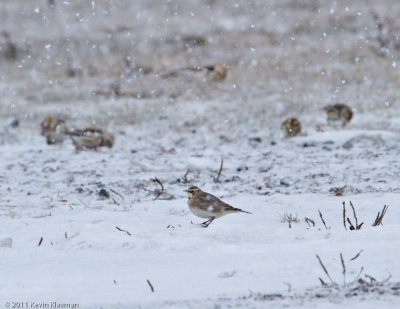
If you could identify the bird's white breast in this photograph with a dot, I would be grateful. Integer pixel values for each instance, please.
(201, 213)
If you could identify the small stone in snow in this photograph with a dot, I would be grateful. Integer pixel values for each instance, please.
(104, 193)
(14, 123)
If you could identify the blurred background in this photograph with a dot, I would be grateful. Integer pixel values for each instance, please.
(284, 58)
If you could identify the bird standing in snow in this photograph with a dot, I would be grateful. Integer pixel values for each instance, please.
(53, 127)
(339, 113)
(206, 205)
(291, 127)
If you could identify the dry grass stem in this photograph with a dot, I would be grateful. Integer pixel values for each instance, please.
(220, 171)
(322, 219)
(379, 217)
(162, 187)
(355, 226)
(119, 229)
(343, 267)
(356, 256)
(289, 218)
(308, 221)
(324, 268)
(150, 285)
(113, 191)
(185, 180)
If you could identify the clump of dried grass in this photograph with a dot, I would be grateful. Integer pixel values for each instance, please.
(356, 287)
(354, 226)
(359, 286)
(290, 218)
(379, 217)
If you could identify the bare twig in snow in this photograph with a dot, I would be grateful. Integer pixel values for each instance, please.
(220, 171)
(113, 191)
(324, 268)
(322, 219)
(150, 285)
(354, 214)
(119, 229)
(40, 241)
(344, 268)
(356, 256)
(351, 225)
(344, 215)
(185, 180)
(370, 278)
(83, 203)
(162, 187)
(323, 283)
(379, 217)
(289, 218)
(359, 273)
(308, 221)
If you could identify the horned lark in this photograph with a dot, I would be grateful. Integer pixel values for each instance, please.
(339, 113)
(291, 127)
(206, 205)
(93, 142)
(54, 129)
(217, 72)
(51, 122)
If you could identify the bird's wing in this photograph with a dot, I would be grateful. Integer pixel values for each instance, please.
(210, 199)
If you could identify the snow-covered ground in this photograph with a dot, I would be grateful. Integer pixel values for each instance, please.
(60, 241)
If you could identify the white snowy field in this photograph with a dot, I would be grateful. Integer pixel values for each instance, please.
(236, 256)
(62, 241)
(83, 258)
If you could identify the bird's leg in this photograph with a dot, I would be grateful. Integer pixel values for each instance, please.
(208, 222)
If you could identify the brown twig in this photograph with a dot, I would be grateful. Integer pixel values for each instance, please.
(324, 268)
(162, 187)
(115, 202)
(351, 225)
(370, 278)
(40, 241)
(354, 214)
(185, 180)
(289, 218)
(83, 203)
(344, 267)
(322, 219)
(357, 255)
(379, 217)
(119, 229)
(113, 191)
(344, 215)
(150, 285)
(308, 221)
(360, 272)
(323, 283)
(220, 171)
